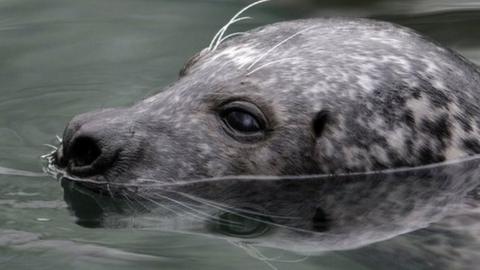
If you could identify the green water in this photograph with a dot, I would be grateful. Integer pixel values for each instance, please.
(59, 58)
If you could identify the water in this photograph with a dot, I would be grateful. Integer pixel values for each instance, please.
(61, 58)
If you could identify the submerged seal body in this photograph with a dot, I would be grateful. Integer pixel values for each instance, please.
(307, 97)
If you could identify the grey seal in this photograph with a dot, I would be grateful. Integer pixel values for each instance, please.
(337, 132)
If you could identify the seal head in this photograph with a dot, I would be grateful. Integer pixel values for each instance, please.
(292, 98)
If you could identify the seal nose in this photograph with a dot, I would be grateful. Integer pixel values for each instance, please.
(84, 156)
(88, 147)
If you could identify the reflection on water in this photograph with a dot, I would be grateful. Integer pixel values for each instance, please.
(307, 214)
(61, 58)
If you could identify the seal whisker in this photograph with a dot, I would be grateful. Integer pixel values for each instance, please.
(229, 36)
(254, 253)
(260, 58)
(185, 205)
(211, 205)
(213, 43)
(438, 165)
(138, 201)
(51, 146)
(277, 259)
(218, 36)
(53, 170)
(239, 213)
(168, 208)
(232, 210)
(130, 205)
(14, 172)
(188, 213)
(109, 190)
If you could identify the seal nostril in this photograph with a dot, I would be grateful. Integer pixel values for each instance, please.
(84, 151)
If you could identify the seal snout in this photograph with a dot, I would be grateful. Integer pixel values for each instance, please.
(89, 147)
(85, 156)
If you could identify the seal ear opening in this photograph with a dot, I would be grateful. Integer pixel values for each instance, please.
(319, 122)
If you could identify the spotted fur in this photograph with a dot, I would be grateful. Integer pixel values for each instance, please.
(413, 101)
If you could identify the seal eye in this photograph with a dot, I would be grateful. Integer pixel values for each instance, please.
(243, 120)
